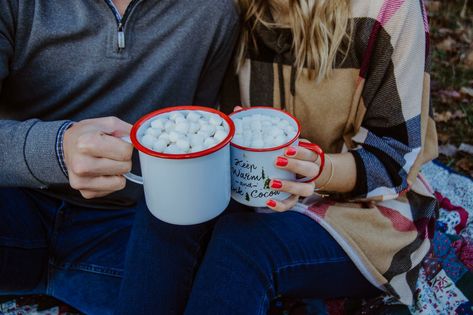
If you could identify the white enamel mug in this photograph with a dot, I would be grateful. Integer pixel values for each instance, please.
(252, 169)
(184, 189)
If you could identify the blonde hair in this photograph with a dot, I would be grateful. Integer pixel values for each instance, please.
(320, 28)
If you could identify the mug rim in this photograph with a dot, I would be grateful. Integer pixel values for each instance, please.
(136, 143)
(290, 142)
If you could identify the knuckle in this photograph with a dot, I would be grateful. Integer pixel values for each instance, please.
(112, 121)
(121, 183)
(307, 190)
(75, 183)
(88, 195)
(86, 142)
(80, 168)
(128, 167)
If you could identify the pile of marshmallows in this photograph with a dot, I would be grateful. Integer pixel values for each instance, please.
(184, 132)
(262, 131)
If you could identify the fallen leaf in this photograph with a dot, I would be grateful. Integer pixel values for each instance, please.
(465, 164)
(448, 44)
(433, 6)
(469, 60)
(467, 148)
(450, 94)
(467, 91)
(448, 115)
(443, 137)
(448, 150)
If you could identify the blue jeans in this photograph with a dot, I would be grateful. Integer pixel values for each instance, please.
(77, 254)
(253, 258)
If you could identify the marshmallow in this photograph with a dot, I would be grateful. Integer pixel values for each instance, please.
(263, 131)
(174, 149)
(185, 132)
(169, 126)
(194, 127)
(220, 135)
(176, 115)
(158, 123)
(174, 136)
(182, 127)
(197, 140)
(183, 144)
(193, 116)
(215, 120)
(209, 142)
(160, 145)
(197, 149)
(153, 132)
(147, 140)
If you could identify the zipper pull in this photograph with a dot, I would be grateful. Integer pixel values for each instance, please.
(121, 37)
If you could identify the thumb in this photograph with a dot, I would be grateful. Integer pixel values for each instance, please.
(115, 126)
(237, 108)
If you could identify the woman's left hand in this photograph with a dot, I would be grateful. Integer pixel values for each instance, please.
(300, 161)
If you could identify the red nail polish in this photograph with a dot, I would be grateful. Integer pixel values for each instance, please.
(291, 151)
(271, 203)
(281, 161)
(276, 184)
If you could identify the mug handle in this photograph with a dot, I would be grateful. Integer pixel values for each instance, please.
(130, 176)
(320, 153)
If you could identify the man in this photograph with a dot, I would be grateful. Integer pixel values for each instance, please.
(66, 210)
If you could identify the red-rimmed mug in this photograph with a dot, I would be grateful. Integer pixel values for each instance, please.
(253, 169)
(184, 189)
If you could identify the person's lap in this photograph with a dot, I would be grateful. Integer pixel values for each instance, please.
(73, 253)
(253, 258)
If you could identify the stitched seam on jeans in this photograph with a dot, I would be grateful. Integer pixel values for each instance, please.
(114, 272)
(313, 262)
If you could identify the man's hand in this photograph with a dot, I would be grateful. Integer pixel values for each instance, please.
(96, 158)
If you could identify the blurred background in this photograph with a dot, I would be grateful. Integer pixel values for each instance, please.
(452, 80)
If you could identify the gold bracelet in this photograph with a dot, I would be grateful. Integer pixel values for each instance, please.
(321, 188)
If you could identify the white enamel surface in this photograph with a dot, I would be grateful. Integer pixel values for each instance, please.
(251, 190)
(188, 191)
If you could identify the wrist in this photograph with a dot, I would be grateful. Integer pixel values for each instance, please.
(326, 176)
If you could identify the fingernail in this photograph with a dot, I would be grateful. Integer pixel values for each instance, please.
(281, 161)
(276, 184)
(291, 151)
(271, 203)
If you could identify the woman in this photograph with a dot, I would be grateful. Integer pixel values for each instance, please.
(355, 73)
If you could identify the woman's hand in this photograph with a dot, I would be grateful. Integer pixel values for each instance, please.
(300, 161)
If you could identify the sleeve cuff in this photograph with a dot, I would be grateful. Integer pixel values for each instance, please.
(41, 152)
(361, 186)
(60, 146)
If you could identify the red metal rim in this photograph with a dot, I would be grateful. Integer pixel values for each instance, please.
(274, 148)
(142, 120)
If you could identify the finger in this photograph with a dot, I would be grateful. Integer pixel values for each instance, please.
(86, 166)
(237, 108)
(301, 153)
(294, 188)
(89, 194)
(114, 126)
(304, 168)
(284, 205)
(101, 145)
(97, 184)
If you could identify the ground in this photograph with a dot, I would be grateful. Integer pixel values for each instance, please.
(452, 80)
